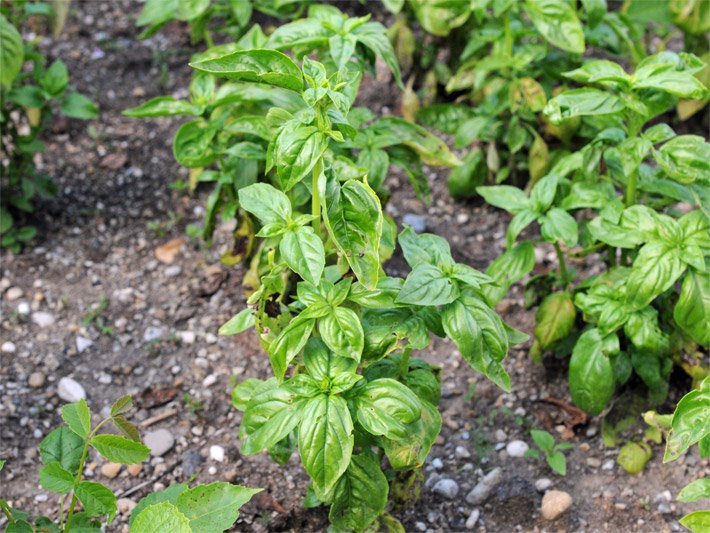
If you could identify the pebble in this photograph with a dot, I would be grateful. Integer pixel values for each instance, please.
(41, 498)
(516, 448)
(135, 469)
(152, 333)
(36, 380)
(542, 484)
(418, 222)
(8, 347)
(437, 463)
(14, 293)
(160, 441)
(462, 453)
(420, 526)
(209, 380)
(593, 462)
(110, 470)
(24, 308)
(472, 519)
(125, 505)
(483, 488)
(70, 391)
(173, 271)
(211, 470)
(447, 488)
(217, 453)
(500, 435)
(190, 461)
(608, 465)
(664, 508)
(554, 504)
(187, 337)
(42, 319)
(82, 343)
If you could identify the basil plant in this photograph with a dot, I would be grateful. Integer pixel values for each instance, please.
(226, 141)
(638, 196)
(339, 332)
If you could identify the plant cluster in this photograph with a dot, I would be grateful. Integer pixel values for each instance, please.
(84, 504)
(551, 451)
(28, 97)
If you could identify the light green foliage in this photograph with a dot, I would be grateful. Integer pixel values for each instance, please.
(64, 451)
(550, 450)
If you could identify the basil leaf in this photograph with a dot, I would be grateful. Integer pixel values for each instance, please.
(555, 318)
(519, 222)
(373, 35)
(289, 343)
(264, 66)
(591, 375)
(425, 248)
(342, 332)
(677, 83)
(599, 71)
(240, 322)
(582, 102)
(595, 11)
(685, 158)
(192, 144)
(656, 268)
(692, 312)
(266, 203)
(361, 494)
(162, 106)
(412, 452)
(385, 407)
(296, 152)
(303, 252)
(325, 440)
(322, 363)
(270, 416)
(558, 225)
(691, 422)
(507, 269)
(557, 21)
(512, 199)
(427, 285)
(698, 489)
(12, 52)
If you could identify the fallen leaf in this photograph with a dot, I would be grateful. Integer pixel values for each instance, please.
(156, 395)
(114, 161)
(167, 252)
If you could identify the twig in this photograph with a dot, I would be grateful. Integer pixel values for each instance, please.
(158, 418)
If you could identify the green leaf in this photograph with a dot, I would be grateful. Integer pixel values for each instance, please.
(270, 416)
(354, 220)
(692, 311)
(412, 451)
(77, 105)
(123, 404)
(266, 203)
(591, 375)
(557, 21)
(297, 150)
(11, 52)
(691, 422)
(96, 499)
(360, 496)
(555, 318)
(697, 522)
(373, 35)
(192, 144)
(698, 489)
(64, 446)
(127, 428)
(264, 66)
(675, 82)
(289, 343)
(169, 495)
(558, 463)
(55, 79)
(213, 507)
(685, 158)
(512, 199)
(439, 18)
(120, 450)
(543, 439)
(20, 526)
(77, 417)
(385, 407)
(55, 478)
(656, 268)
(507, 269)
(558, 225)
(595, 11)
(599, 71)
(425, 248)
(303, 252)
(162, 106)
(582, 102)
(342, 332)
(240, 322)
(161, 517)
(325, 440)
(428, 285)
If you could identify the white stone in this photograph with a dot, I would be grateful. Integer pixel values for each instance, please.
(82, 343)
(42, 319)
(24, 308)
(217, 453)
(500, 435)
(483, 488)
(70, 391)
(542, 484)
(125, 505)
(8, 347)
(472, 519)
(447, 488)
(554, 504)
(14, 293)
(462, 453)
(187, 337)
(437, 463)
(160, 441)
(209, 380)
(516, 448)
(152, 333)
(173, 271)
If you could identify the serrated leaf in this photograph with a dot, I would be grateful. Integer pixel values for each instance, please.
(213, 507)
(55, 478)
(161, 517)
(64, 446)
(78, 417)
(120, 450)
(168, 495)
(96, 499)
(123, 404)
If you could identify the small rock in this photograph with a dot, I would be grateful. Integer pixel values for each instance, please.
(187, 337)
(593, 462)
(135, 469)
(110, 470)
(217, 453)
(125, 505)
(664, 508)
(420, 526)
(483, 488)
(516, 448)
(554, 504)
(500, 435)
(608, 465)
(190, 461)
(24, 308)
(36, 380)
(542, 484)
(8, 347)
(152, 333)
(82, 343)
(418, 222)
(42, 319)
(159, 442)
(211, 470)
(70, 391)
(447, 488)
(41, 498)
(462, 453)
(173, 271)
(209, 380)
(472, 519)
(437, 463)
(14, 293)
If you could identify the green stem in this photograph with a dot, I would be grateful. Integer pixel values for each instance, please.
(612, 256)
(8, 512)
(508, 36)
(315, 202)
(564, 274)
(404, 363)
(630, 197)
(208, 39)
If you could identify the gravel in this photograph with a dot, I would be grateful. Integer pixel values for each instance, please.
(447, 488)
(483, 488)
(517, 448)
(554, 504)
(70, 390)
(160, 441)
